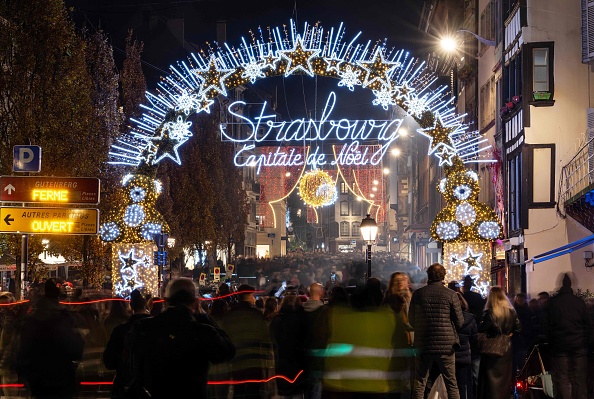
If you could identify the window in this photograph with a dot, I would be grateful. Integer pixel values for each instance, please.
(356, 208)
(540, 69)
(541, 160)
(356, 229)
(344, 208)
(539, 82)
(487, 104)
(344, 188)
(487, 25)
(344, 229)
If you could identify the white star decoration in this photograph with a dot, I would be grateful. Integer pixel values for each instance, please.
(377, 69)
(436, 135)
(213, 78)
(129, 274)
(299, 59)
(445, 155)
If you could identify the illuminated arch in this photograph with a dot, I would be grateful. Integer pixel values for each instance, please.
(394, 77)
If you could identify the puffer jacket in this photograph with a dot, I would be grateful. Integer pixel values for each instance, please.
(436, 315)
(466, 334)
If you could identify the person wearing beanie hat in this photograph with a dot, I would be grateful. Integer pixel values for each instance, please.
(568, 328)
(179, 343)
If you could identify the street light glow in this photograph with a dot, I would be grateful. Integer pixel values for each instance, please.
(386, 171)
(449, 44)
(395, 152)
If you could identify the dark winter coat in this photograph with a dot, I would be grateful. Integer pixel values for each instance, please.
(116, 355)
(49, 349)
(435, 314)
(467, 333)
(567, 323)
(171, 353)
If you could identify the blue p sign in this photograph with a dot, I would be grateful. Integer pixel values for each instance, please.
(27, 158)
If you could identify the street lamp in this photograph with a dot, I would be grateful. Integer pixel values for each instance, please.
(369, 232)
(450, 44)
(170, 244)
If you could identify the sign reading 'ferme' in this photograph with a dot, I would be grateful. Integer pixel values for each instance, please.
(49, 220)
(41, 189)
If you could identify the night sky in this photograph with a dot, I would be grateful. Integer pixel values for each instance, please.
(395, 21)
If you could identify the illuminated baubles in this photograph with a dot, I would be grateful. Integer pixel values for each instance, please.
(134, 215)
(489, 230)
(317, 188)
(109, 231)
(447, 230)
(149, 230)
(465, 214)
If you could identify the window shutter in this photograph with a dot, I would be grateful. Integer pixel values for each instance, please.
(587, 30)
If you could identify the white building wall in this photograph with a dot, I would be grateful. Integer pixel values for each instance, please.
(563, 124)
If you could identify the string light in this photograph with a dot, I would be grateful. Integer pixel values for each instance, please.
(468, 259)
(132, 269)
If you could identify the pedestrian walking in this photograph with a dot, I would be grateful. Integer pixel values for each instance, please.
(171, 352)
(495, 373)
(568, 328)
(50, 348)
(116, 355)
(314, 315)
(435, 314)
(467, 335)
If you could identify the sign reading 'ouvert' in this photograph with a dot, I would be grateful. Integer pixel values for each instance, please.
(49, 220)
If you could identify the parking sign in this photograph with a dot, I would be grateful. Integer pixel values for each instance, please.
(26, 158)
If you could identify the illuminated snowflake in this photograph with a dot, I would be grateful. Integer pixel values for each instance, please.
(384, 97)
(253, 71)
(349, 78)
(186, 102)
(416, 106)
(180, 129)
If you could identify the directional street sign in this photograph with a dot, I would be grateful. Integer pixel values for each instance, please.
(49, 220)
(27, 158)
(41, 189)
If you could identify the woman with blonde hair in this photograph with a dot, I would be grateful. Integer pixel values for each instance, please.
(495, 373)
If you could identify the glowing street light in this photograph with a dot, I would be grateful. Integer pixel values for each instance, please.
(369, 232)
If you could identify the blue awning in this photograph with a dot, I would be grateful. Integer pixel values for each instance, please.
(565, 249)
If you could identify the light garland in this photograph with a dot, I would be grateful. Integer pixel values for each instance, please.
(317, 188)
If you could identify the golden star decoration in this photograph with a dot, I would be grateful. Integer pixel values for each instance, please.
(213, 78)
(377, 70)
(299, 59)
(270, 61)
(438, 135)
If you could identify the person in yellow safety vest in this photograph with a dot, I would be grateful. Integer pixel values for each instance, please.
(360, 355)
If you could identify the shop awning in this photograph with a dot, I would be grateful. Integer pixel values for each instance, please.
(565, 249)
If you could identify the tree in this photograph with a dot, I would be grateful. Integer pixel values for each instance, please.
(132, 78)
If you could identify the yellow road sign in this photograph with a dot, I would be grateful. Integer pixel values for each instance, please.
(49, 220)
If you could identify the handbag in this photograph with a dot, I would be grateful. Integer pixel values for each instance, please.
(495, 346)
(545, 378)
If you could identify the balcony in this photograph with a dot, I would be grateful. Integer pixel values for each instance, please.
(576, 187)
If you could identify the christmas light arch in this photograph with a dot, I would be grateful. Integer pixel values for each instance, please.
(394, 77)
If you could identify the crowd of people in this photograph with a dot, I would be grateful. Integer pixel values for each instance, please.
(342, 337)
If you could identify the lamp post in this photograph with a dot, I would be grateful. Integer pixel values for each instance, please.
(170, 244)
(369, 232)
